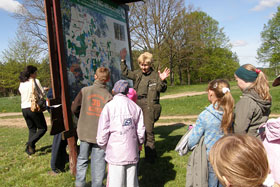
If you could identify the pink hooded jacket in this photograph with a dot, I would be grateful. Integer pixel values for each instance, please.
(121, 130)
(271, 142)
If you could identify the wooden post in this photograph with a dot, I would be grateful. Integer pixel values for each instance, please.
(59, 74)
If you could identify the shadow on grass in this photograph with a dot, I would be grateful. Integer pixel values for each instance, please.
(44, 150)
(158, 174)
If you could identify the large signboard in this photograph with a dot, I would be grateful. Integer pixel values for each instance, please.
(94, 32)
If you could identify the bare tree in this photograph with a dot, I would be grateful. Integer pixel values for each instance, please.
(150, 24)
(22, 49)
(31, 17)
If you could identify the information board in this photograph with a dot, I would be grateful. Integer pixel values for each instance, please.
(94, 32)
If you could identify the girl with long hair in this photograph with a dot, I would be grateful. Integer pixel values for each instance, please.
(35, 121)
(214, 121)
(253, 108)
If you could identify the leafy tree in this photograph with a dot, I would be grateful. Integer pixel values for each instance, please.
(202, 37)
(21, 51)
(269, 51)
(44, 72)
(9, 77)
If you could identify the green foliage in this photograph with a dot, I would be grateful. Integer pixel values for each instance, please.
(269, 52)
(9, 73)
(221, 63)
(44, 72)
(20, 53)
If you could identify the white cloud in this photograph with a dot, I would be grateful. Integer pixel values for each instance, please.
(271, 15)
(239, 43)
(265, 4)
(10, 5)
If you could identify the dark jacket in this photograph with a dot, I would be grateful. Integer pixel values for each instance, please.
(250, 112)
(155, 86)
(88, 105)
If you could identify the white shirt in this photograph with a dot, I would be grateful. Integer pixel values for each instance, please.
(25, 89)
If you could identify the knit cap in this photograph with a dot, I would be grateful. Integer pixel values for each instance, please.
(121, 86)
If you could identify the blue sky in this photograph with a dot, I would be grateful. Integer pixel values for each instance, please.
(242, 20)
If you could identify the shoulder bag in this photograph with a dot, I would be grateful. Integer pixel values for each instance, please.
(38, 103)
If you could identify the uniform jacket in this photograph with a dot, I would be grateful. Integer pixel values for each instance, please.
(271, 142)
(208, 124)
(121, 130)
(156, 85)
(88, 105)
(250, 112)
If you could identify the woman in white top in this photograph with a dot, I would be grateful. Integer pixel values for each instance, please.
(35, 121)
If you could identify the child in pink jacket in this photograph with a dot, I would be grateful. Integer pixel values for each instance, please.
(120, 132)
(270, 134)
(271, 142)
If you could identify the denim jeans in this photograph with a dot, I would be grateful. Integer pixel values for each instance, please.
(59, 155)
(98, 164)
(212, 178)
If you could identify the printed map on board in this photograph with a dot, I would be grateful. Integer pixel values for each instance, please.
(94, 33)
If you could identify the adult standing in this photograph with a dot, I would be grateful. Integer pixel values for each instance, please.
(35, 121)
(253, 108)
(148, 84)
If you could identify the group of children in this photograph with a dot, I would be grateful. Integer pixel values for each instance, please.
(108, 124)
(234, 151)
(112, 128)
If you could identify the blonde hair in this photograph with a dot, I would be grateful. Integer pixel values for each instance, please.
(102, 74)
(260, 85)
(145, 57)
(225, 101)
(241, 159)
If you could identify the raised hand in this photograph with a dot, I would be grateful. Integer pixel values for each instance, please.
(164, 74)
(123, 53)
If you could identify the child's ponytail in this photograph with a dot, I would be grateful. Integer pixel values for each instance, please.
(225, 101)
(260, 85)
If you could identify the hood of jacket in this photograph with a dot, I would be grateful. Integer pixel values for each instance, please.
(272, 129)
(263, 104)
(217, 113)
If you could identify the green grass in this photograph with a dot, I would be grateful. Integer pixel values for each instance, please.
(195, 104)
(17, 169)
(10, 104)
(184, 88)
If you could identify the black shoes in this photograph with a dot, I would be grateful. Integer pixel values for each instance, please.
(30, 150)
(150, 155)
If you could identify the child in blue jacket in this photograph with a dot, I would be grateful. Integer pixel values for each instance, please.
(214, 121)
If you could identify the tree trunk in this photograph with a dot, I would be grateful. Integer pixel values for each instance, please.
(180, 75)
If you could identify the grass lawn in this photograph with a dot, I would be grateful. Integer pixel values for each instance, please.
(18, 169)
(195, 104)
(10, 104)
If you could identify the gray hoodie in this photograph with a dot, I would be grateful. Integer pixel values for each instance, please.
(250, 112)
